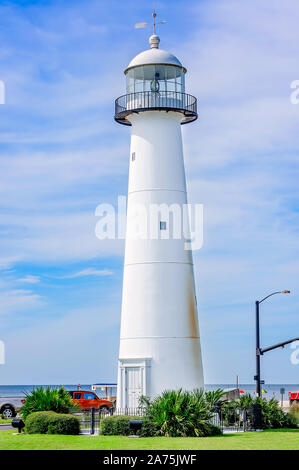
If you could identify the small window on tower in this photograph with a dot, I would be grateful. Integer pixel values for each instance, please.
(133, 156)
(162, 225)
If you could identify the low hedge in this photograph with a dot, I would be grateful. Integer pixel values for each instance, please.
(120, 426)
(294, 414)
(49, 422)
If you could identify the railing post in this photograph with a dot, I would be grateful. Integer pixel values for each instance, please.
(100, 418)
(92, 420)
(244, 420)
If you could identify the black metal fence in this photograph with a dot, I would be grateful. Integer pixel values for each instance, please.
(146, 100)
(228, 419)
(90, 419)
(234, 421)
(127, 412)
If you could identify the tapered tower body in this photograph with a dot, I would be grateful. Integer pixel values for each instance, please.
(159, 339)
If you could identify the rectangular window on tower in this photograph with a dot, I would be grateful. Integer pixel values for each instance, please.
(162, 225)
(133, 156)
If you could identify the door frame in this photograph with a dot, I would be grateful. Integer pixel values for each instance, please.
(143, 364)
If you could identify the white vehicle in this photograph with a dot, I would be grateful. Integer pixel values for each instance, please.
(9, 406)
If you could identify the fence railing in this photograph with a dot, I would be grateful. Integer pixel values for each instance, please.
(146, 100)
(232, 420)
(127, 412)
(90, 419)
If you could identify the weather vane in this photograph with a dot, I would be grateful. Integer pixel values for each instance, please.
(144, 24)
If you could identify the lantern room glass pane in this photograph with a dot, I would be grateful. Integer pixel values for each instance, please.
(139, 80)
(149, 74)
(171, 79)
(130, 81)
(178, 80)
(155, 78)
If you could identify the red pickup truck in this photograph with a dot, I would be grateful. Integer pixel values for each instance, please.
(86, 400)
(293, 397)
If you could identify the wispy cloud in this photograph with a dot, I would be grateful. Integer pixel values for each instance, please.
(18, 300)
(89, 272)
(6, 262)
(29, 279)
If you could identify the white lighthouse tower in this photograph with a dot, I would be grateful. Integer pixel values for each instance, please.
(159, 338)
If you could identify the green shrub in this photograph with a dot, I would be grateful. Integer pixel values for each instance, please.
(230, 413)
(213, 430)
(178, 413)
(245, 401)
(214, 398)
(63, 424)
(149, 427)
(47, 399)
(120, 426)
(273, 417)
(37, 422)
(294, 414)
(291, 421)
(49, 422)
(115, 426)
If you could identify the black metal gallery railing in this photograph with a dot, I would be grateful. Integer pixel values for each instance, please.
(151, 100)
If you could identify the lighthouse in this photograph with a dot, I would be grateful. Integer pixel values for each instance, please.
(159, 337)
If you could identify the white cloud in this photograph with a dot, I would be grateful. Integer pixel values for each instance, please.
(6, 262)
(18, 300)
(29, 279)
(55, 238)
(89, 272)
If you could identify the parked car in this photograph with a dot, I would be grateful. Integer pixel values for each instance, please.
(9, 406)
(86, 400)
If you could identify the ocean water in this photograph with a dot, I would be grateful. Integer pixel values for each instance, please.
(272, 390)
(19, 390)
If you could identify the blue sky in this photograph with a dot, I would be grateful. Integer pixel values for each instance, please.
(62, 154)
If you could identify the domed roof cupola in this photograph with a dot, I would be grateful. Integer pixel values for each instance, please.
(155, 70)
(154, 55)
(155, 80)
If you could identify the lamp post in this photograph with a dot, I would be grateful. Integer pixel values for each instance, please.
(259, 351)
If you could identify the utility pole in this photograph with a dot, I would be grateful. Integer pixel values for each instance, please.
(260, 351)
(237, 385)
(257, 351)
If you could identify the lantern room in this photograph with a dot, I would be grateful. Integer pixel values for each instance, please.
(155, 70)
(155, 80)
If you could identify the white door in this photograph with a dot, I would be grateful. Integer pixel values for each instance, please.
(133, 386)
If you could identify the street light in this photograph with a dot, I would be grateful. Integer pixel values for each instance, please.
(259, 351)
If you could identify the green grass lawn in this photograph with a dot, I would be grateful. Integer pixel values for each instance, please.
(5, 421)
(266, 440)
